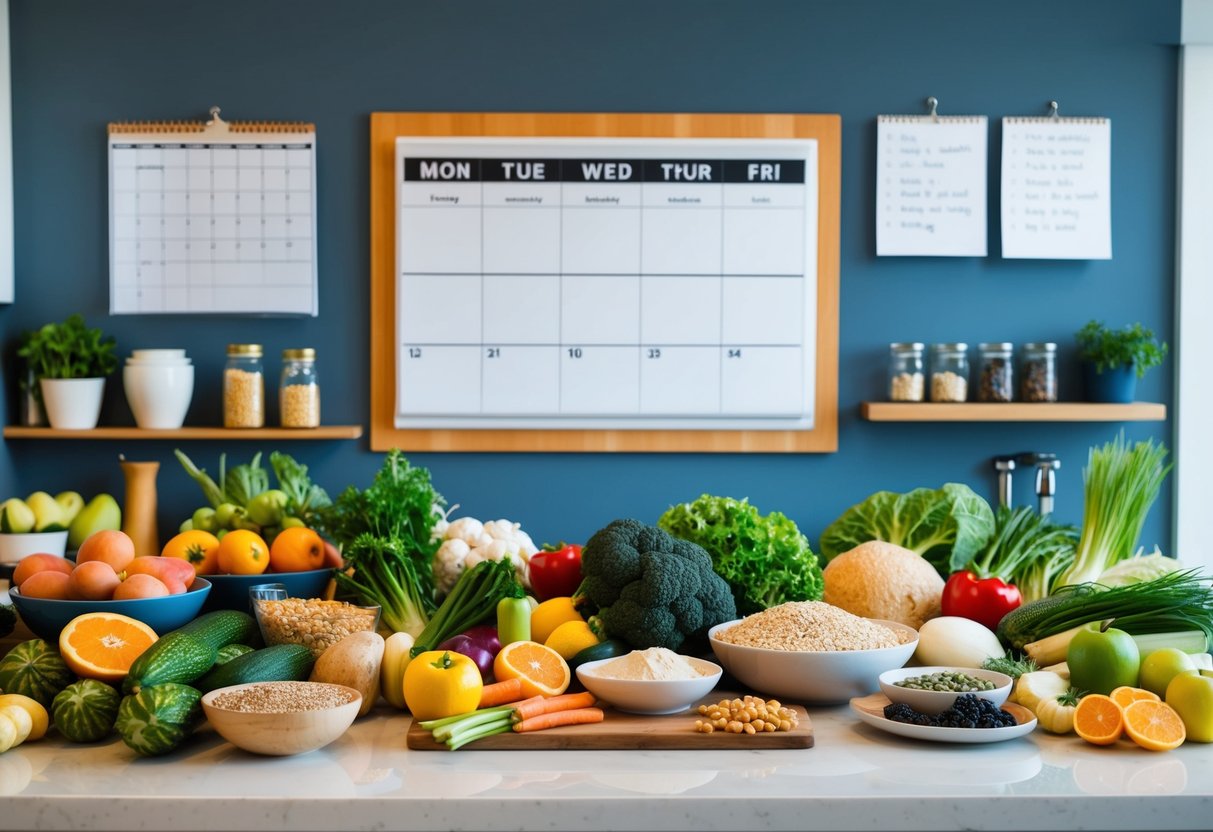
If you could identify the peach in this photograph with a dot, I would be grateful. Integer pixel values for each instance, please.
(166, 569)
(31, 564)
(110, 546)
(50, 584)
(94, 580)
(140, 586)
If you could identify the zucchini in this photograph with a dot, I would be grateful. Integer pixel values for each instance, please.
(231, 651)
(223, 627)
(280, 663)
(178, 657)
(610, 649)
(1019, 627)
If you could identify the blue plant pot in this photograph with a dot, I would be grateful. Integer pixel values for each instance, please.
(1114, 386)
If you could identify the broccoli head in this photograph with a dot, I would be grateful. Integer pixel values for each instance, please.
(650, 589)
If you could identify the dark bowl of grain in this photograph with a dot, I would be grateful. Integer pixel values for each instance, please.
(811, 652)
(281, 718)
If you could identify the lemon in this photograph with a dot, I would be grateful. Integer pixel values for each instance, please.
(570, 638)
(549, 615)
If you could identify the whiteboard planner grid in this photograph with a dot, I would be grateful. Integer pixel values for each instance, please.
(213, 226)
(606, 283)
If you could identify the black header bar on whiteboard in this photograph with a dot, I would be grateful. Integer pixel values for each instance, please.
(605, 171)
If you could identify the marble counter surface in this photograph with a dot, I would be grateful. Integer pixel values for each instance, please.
(855, 778)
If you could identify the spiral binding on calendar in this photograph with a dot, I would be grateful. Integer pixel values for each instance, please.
(1054, 117)
(214, 125)
(932, 116)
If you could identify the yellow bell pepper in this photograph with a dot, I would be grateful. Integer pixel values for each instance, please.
(441, 683)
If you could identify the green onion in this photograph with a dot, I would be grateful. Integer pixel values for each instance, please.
(471, 601)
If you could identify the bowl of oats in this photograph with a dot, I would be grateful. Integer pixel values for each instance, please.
(811, 651)
(280, 719)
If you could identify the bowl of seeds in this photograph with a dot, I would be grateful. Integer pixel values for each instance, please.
(932, 690)
(313, 622)
(281, 718)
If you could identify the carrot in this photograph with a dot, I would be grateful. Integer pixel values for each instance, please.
(499, 693)
(564, 702)
(576, 716)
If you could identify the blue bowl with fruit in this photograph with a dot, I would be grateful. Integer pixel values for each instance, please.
(46, 617)
(230, 592)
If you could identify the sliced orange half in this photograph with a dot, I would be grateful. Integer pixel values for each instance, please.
(1124, 696)
(1154, 725)
(541, 669)
(1098, 719)
(104, 645)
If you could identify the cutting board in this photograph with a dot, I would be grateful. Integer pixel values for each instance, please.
(622, 731)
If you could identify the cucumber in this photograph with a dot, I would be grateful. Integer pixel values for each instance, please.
(223, 627)
(280, 663)
(609, 649)
(178, 657)
(1023, 625)
(231, 651)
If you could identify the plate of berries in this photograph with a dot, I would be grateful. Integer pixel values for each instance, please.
(969, 720)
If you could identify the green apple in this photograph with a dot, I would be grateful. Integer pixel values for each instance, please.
(1160, 666)
(49, 514)
(1191, 695)
(268, 507)
(71, 502)
(1102, 658)
(102, 512)
(204, 519)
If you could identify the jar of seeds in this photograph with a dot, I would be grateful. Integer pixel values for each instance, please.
(299, 390)
(907, 383)
(949, 372)
(243, 387)
(1038, 372)
(994, 383)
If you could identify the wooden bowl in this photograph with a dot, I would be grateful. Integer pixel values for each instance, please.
(281, 733)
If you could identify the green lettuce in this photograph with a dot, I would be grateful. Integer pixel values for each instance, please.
(947, 526)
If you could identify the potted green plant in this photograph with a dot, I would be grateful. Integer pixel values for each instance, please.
(70, 362)
(1113, 359)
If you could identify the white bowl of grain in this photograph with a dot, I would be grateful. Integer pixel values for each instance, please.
(281, 718)
(812, 652)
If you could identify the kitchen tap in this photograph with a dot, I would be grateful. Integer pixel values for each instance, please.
(1046, 465)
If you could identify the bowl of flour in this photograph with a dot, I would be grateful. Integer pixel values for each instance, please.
(652, 681)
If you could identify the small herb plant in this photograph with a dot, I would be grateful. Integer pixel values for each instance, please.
(69, 350)
(1133, 346)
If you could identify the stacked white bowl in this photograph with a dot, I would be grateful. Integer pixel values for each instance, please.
(159, 385)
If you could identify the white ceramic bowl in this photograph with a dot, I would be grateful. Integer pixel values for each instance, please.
(800, 676)
(650, 696)
(936, 701)
(159, 394)
(13, 547)
(280, 734)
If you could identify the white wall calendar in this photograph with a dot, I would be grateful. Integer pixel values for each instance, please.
(606, 283)
(212, 218)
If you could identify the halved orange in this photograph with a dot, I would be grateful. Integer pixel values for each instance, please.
(104, 645)
(1098, 719)
(1124, 696)
(1154, 725)
(542, 671)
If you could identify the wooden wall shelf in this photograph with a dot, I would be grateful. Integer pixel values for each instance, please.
(1012, 412)
(264, 434)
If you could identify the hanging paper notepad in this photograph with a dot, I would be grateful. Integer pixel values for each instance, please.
(213, 217)
(1056, 188)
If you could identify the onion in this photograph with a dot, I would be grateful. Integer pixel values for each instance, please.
(474, 650)
(952, 641)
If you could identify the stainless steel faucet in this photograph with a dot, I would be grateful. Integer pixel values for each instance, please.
(1046, 464)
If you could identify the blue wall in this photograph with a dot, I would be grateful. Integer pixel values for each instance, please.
(77, 65)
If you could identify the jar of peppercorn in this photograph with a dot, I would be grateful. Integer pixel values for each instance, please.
(994, 383)
(1038, 372)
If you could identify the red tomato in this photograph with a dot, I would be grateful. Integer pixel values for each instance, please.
(557, 573)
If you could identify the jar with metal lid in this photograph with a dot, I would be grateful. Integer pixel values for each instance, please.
(995, 381)
(1038, 372)
(949, 372)
(907, 382)
(299, 390)
(243, 387)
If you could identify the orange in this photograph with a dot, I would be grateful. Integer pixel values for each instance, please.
(104, 645)
(297, 549)
(1098, 719)
(1154, 725)
(1124, 696)
(243, 552)
(197, 548)
(541, 669)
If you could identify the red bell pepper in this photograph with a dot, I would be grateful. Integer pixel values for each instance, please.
(555, 572)
(984, 600)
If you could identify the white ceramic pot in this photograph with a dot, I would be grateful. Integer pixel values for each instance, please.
(159, 394)
(73, 403)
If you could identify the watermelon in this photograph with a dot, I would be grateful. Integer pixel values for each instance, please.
(85, 711)
(158, 718)
(35, 669)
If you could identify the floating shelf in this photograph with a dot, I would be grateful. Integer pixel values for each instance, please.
(264, 434)
(1012, 412)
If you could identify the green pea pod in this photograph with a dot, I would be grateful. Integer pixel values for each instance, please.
(513, 620)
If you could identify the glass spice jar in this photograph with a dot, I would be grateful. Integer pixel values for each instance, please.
(1038, 372)
(299, 390)
(995, 380)
(243, 387)
(949, 372)
(907, 383)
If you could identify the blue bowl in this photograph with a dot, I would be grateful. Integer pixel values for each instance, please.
(46, 617)
(230, 592)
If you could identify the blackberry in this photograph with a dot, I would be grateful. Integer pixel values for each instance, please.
(968, 711)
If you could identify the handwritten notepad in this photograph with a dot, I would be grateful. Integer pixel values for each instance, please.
(1056, 188)
(931, 186)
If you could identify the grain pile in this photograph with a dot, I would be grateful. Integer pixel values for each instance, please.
(811, 626)
(284, 698)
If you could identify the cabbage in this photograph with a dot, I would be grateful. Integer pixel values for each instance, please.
(1138, 569)
(947, 526)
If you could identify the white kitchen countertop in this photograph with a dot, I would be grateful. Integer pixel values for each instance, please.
(855, 778)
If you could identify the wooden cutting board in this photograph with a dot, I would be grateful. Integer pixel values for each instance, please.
(622, 731)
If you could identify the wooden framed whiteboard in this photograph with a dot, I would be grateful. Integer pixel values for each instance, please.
(604, 282)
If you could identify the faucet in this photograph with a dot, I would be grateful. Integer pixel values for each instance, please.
(1047, 465)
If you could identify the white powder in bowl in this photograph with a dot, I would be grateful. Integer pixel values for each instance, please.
(657, 664)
